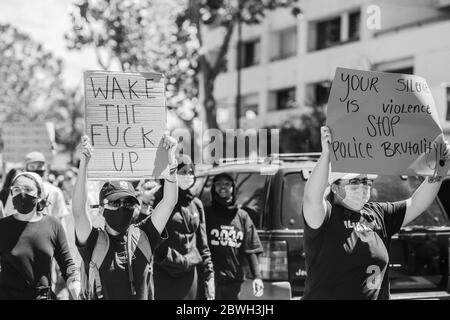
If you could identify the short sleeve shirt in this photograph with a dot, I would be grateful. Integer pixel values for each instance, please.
(230, 237)
(347, 256)
(114, 269)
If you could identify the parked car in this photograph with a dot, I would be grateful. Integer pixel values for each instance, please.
(271, 190)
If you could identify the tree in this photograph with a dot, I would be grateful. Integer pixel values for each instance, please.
(67, 113)
(141, 36)
(30, 76)
(165, 36)
(226, 14)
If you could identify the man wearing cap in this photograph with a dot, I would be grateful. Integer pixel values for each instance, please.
(346, 237)
(121, 277)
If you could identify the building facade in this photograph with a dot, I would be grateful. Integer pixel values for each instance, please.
(288, 61)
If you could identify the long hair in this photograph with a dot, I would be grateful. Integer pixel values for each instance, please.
(4, 193)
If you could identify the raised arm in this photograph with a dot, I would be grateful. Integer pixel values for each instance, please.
(83, 224)
(162, 212)
(314, 206)
(426, 193)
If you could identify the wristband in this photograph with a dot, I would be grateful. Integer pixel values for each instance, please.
(433, 179)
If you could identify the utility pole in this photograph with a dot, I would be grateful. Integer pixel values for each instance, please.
(239, 66)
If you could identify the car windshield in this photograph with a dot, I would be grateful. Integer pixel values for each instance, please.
(396, 188)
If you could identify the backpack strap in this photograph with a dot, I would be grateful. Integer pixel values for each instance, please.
(137, 239)
(98, 255)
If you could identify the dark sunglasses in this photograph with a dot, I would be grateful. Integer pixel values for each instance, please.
(356, 182)
(121, 203)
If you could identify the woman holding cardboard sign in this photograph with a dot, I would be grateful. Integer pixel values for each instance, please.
(118, 259)
(346, 236)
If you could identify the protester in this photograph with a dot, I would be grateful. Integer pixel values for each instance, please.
(232, 236)
(183, 268)
(346, 237)
(4, 193)
(122, 273)
(35, 162)
(28, 242)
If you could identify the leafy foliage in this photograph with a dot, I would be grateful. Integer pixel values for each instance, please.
(30, 75)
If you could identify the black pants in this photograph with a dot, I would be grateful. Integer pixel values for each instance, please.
(228, 290)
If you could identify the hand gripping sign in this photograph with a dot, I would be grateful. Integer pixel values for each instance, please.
(125, 121)
(384, 123)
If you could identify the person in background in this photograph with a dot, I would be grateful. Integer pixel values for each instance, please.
(232, 237)
(347, 238)
(28, 242)
(183, 268)
(122, 275)
(6, 188)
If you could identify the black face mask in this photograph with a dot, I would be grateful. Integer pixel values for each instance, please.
(39, 172)
(24, 203)
(119, 219)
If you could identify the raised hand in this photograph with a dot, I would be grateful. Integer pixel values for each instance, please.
(169, 143)
(325, 137)
(86, 150)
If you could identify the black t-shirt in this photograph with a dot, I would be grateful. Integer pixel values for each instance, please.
(114, 269)
(231, 235)
(347, 256)
(26, 252)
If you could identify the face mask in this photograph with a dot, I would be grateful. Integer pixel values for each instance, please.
(356, 196)
(185, 181)
(24, 203)
(119, 219)
(39, 172)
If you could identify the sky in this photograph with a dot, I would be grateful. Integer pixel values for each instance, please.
(46, 21)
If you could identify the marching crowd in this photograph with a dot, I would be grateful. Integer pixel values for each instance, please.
(157, 240)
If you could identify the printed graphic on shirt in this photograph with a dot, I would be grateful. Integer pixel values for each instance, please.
(227, 236)
(120, 259)
(364, 229)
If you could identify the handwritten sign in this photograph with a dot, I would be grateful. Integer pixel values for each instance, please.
(125, 121)
(20, 138)
(383, 123)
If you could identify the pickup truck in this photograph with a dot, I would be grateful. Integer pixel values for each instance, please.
(271, 190)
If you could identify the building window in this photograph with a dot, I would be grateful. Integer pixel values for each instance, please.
(250, 53)
(318, 93)
(447, 117)
(353, 28)
(285, 99)
(331, 32)
(287, 44)
(328, 33)
(405, 70)
(249, 106)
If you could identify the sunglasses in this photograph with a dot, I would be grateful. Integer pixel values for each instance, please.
(35, 166)
(121, 203)
(356, 182)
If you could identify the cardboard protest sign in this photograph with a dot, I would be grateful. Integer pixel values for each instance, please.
(20, 138)
(383, 123)
(125, 121)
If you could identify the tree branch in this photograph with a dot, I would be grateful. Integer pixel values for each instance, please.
(223, 49)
